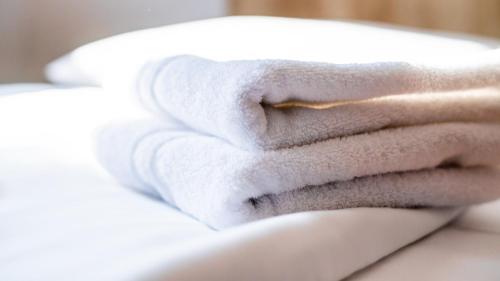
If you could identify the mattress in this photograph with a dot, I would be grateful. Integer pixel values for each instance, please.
(63, 218)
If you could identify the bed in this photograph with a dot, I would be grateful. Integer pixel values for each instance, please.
(63, 218)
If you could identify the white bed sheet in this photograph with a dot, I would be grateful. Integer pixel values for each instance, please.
(63, 218)
(467, 249)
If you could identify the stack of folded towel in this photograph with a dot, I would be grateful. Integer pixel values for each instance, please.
(235, 141)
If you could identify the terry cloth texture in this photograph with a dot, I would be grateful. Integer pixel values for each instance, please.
(240, 140)
(244, 101)
(431, 165)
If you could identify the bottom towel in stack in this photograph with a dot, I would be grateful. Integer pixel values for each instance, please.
(449, 164)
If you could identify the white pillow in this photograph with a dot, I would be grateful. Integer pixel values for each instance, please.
(232, 38)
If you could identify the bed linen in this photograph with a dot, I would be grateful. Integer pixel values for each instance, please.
(468, 249)
(64, 222)
(62, 217)
(108, 61)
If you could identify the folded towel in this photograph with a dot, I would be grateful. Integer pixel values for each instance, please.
(222, 185)
(266, 104)
(241, 140)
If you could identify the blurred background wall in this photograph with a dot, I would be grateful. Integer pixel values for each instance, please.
(33, 32)
(472, 16)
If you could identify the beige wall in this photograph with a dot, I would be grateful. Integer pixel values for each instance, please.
(473, 16)
(33, 32)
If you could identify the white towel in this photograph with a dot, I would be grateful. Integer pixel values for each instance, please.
(223, 185)
(237, 100)
(236, 141)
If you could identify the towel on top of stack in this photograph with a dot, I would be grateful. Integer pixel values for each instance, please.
(237, 141)
(244, 101)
